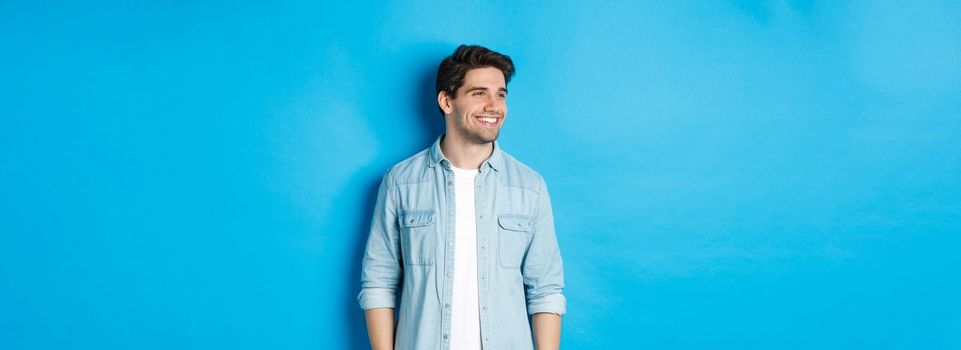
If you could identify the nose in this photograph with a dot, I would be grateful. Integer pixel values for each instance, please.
(492, 104)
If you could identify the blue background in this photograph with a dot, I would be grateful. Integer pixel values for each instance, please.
(725, 174)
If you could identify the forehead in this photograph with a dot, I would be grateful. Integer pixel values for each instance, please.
(489, 77)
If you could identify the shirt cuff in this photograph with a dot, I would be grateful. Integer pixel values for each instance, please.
(553, 303)
(372, 298)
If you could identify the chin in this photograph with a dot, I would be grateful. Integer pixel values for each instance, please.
(483, 138)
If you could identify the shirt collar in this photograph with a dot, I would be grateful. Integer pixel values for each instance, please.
(436, 156)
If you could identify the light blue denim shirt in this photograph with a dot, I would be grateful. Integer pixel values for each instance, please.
(410, 251)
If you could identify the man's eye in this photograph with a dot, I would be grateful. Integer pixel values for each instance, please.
(478, 93)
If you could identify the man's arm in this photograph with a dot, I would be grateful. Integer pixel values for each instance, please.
(547, 330)
(380, 328)
(381, 270)
(544, 277)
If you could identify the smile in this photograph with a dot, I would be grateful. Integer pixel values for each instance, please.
(490, 122)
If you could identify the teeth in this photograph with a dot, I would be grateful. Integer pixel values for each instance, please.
(489, 120)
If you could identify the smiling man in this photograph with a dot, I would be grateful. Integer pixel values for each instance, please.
(462, 233)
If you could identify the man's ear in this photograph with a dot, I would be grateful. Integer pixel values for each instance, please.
(444, 102)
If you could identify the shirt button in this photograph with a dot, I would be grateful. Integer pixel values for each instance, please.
(485, 308)
(448, 306)
(482, 277)
(445, 336)
(482, 217)
(482, 247)
(450, 183)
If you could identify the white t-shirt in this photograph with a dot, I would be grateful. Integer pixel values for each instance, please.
(465, 313)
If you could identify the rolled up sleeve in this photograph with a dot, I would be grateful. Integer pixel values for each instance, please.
(542, 268)
(381, 271)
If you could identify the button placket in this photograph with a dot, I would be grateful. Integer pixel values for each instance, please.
(448, 284)
(482, 260)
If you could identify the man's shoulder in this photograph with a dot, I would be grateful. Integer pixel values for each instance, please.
(410, 170)
(519, 174)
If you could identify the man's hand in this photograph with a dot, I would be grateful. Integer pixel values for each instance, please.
(380, 328)
(547, 330)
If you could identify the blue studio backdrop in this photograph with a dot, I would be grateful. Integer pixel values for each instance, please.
(725, 174)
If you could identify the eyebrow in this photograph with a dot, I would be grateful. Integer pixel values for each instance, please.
(475, 88)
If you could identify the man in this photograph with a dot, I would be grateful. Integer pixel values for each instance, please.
(463, 233)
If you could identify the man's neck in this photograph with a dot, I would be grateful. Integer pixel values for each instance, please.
(465, 155)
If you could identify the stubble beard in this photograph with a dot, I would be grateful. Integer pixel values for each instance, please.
(477, 136)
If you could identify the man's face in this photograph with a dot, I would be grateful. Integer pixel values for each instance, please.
(478, 111)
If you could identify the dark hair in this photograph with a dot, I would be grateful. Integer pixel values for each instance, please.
(450, 74)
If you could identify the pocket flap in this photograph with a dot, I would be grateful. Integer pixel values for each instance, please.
(515, 222)
(415, 218)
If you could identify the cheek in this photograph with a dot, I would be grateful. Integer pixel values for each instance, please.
(465, 107)
(458, 110)
(470, 109)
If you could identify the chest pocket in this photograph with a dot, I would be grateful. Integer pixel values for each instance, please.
(513, 236)
(418, 236)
